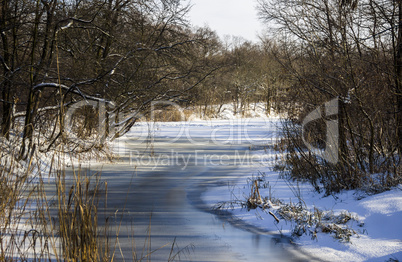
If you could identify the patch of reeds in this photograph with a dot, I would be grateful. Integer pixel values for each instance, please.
(304, 221)
(50, 214)
(43, 217)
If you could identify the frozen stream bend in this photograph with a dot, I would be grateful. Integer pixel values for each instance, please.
(163, 190)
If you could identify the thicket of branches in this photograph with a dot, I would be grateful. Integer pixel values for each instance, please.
(250, 75)
(349, 51)
(122, 53)
(120, 56)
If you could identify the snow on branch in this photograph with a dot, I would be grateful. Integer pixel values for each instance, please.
(71, 89)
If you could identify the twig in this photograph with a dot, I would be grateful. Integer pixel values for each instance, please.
(272, 214)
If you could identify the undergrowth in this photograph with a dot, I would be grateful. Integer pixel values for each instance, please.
(304, 221)
(352, 171)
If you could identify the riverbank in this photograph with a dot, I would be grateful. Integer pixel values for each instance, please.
(171, 171)
(372, 219)
(376, 218)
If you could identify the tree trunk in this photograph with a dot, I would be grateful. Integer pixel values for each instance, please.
(343, 148)
(32, 99)
(7, 110)
(32, 108)
(398, 71)
(36, 67)
(6, 86)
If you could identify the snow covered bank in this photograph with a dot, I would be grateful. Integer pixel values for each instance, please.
(375, 219)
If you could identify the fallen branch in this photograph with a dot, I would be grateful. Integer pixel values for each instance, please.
(272, 214)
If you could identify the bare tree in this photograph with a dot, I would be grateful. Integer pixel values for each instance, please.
(120, 52)
(345, 50)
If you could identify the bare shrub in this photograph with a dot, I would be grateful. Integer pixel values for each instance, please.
(302, 164)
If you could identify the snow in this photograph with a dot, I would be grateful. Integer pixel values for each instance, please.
(378, 217)
(378, 240)
(380, 237)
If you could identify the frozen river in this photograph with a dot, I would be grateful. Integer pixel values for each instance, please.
(154, 195)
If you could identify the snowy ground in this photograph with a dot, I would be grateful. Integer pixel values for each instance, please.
(378, 225)
(377, 218)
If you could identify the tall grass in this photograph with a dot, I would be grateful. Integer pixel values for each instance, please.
(49, 214)
(44, 216)
(16, 238)
(77, 209)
